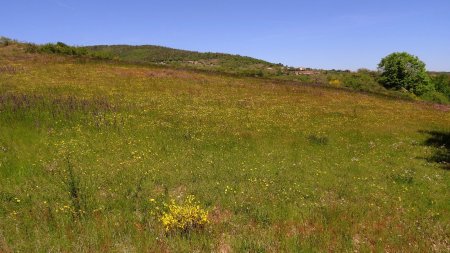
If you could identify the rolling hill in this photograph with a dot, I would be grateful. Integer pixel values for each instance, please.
(175, 57)
(361, 80)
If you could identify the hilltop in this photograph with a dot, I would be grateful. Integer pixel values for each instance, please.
(175, 57)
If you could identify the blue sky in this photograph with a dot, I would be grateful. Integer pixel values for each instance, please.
(346, 34)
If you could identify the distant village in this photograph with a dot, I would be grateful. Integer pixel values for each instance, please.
(301, 71)
(305, 71)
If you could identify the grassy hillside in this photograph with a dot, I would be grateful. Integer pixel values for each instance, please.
(91, 151)
(361, 80)
(175, 57)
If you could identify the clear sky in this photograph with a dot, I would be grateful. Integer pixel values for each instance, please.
(345, 34)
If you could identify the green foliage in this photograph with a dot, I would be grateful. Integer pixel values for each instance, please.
(435, 96)
(402, 70)
(63, 49)
(362, 80)
(157, 54)
(234, 64)
(4, 41)
(441, 94)
(442, 84)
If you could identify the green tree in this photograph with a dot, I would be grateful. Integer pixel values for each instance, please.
(442, 84)
(404, 71)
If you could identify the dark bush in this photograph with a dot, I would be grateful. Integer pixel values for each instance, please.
(318, 139)
(4, 41)
(63, 49)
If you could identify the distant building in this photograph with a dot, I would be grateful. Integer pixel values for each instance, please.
(305, 72)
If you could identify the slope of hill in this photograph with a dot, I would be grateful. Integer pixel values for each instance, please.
(362, 80)
(92, 152)
(208, 61)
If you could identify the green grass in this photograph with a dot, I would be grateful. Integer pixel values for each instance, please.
(85, 145)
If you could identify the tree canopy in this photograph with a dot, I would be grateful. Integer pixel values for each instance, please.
(401, 70)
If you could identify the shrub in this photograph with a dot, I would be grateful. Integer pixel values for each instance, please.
(4, 41)
(335, 82)
(184, 217)
(318, 139)
(402, 70)
(61, 48)
(442, 84)
(31, 48)
(364, 80)
(435, 96)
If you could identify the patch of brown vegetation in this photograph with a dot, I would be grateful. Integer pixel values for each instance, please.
(51, 167)
(219, 215)
(11, 69)
(158, 190)
(224, 244)
(304, 230)
(440, 107)
(155, 73)
(4, 248)
(163, 73)
(17, 54)
(178, 192)
(160, 247)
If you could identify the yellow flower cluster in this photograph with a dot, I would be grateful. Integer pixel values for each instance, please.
(335, 83)
(184, 217)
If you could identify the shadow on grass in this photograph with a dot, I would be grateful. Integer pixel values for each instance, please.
(441, 142)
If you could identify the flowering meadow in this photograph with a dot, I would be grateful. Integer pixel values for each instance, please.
(102, 156)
